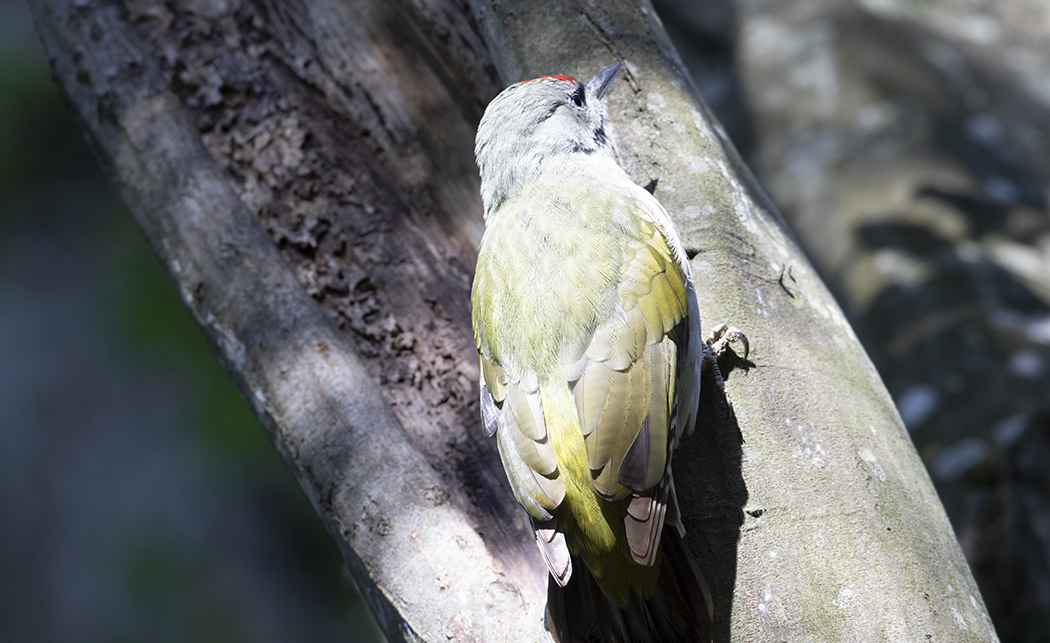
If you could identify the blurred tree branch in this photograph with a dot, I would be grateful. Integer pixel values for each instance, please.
(304, 172)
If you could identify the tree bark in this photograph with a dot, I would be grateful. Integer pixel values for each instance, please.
(304, 171)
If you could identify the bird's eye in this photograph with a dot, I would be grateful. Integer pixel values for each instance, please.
(577, 97)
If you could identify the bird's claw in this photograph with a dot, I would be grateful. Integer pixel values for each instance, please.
(716, 344)
(722, 336)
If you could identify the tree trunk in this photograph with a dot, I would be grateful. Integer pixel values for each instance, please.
(305, 173)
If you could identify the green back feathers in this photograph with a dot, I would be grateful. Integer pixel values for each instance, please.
(578, 321)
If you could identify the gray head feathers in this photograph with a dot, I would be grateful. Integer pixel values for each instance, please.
(532, 123)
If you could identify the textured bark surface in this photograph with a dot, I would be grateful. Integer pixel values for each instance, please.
(304, 171)
(908, 145)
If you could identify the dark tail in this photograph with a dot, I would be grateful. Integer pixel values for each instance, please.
(679, 610)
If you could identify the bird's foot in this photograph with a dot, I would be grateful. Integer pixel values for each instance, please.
(722, 336)
(715, 348)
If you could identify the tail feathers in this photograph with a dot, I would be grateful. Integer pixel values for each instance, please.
(678, 611)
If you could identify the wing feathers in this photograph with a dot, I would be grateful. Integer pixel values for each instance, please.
(615, 412)
(635, 463)
(527, 454)
(592, 394)
(537, 500)
(526, 412)
(626, 419)
(629, 389)
(527, 432)
(493, 377)
(644, 523)
(555, 552)
(644, 463)
(489, 412)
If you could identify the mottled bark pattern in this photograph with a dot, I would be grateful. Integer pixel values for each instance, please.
(340, 134)
(312, 123)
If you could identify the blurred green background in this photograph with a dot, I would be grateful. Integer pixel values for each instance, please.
(140, 500)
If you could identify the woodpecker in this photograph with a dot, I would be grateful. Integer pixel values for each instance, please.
(590, 352)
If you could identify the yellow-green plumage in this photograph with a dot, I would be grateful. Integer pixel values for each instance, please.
(588, 343)
(623, 292)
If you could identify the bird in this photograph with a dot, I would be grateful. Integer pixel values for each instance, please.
(590, 358)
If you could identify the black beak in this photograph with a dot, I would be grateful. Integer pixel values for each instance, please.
(598, 83)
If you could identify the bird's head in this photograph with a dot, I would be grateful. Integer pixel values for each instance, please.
(532, 122)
